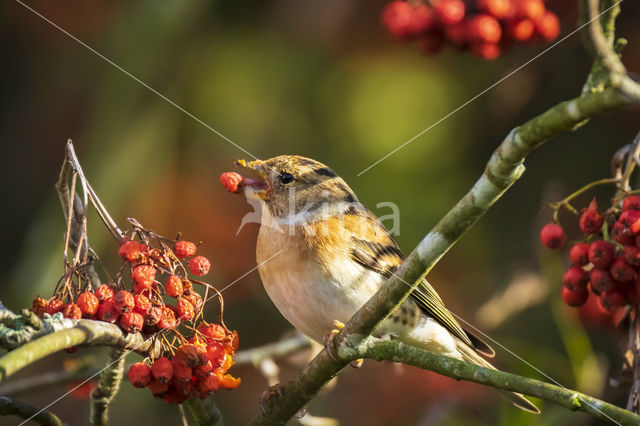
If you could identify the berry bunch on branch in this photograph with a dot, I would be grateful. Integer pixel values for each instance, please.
(484, 27)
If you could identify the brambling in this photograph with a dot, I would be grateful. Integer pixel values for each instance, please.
(322, 255)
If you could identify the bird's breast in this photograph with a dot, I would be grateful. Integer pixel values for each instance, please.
(310, 282)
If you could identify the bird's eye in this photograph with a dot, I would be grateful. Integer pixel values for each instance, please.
(286, 178)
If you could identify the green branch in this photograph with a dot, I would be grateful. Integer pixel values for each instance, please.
(459, 370)
(204, 412)
(9, 407)
(503, 169)
(108, 385)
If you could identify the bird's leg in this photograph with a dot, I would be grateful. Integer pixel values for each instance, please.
(271, 393)
(329, 344)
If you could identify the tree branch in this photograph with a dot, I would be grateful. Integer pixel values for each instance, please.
(108, 385)
(459, 370)
(10, 406)
(503, 170)
(204, 412)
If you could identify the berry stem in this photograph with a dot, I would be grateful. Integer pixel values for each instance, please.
(565, 201)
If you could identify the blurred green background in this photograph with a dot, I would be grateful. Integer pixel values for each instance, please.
(321, 79)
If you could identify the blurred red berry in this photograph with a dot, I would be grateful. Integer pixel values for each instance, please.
(396, 17)
(144, 275)
(131, 251)
(216, 353)
(630, 221)
(208, 384)
(185, 249)
(600, 280)
(131, 322)
(520, 29)
(601, 254)
(449, 11)
(457, 34)
(158, 388)
(82, 390)
(575, 277)
(552, 236)
(39, 306)
(620, 234)
(632, 255)
(162, 370)
(484, 29)
(203, 370)
(71, 311)
(532, 9)
(632, 202)
(199, 265)
(54, 306)
(579, 254)
(548, 26)
(423, 19)
(88, 303)
(139, 375)
(432, 42)
(574, 297)
(612, 299)
(108, 312)
(487, 51)
(174, 286)
(104, 292)
(501, 9)
(192, 355)
(181, 373)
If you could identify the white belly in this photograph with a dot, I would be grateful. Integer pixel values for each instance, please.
(310, 296)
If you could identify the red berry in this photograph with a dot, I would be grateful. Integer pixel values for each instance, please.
(144, 275)
(600, 280)
(185, 249)
(591, 221)
(88, 303)
(162, 370)
(487, 51)
(72, 311)
(532, 9)
(131, 322)
(423, 19)
(108, 312)
(621, 271)
(216, 353)
(630, 221)
(632, 202)
(612, 299)
(618, 234)
(154, 316)
(54, 306)
(552, 236)
(132, 251)
(167, 318)
(501, 9)
(520, 29)
(579, 254)
(575, 297)
(174, 286)
(39, 306)
(548, 26)
(199, 265)
(632, 255)
(124, 301)
(601, 254)
(158, 388)
(457, 34)
(450, 11)
(203, 370)
(575, 277)
(485, 29)
(104, 293)
(396, 17)
(142, 304)
(185, 309)
(181, 373)
(208, 384)
(232, 180)
(192, 355)
(176, 395)
(213, 331)
(139, 375)
(195, 299)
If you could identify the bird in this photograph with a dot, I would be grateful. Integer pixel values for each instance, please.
(322, 254)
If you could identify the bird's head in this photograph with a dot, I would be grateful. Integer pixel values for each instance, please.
(291, 184)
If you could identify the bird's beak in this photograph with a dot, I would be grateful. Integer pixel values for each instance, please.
(258, 187)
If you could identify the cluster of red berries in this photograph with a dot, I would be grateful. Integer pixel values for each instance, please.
(144, 307)
(607, 261)
(198, 367)
(484, 27)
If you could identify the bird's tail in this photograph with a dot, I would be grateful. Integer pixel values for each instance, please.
(518, 400)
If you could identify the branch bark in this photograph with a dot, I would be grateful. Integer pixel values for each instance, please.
(108, 386)
(503, 169)
(10, 406)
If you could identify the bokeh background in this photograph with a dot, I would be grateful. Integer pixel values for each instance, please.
(321, 79)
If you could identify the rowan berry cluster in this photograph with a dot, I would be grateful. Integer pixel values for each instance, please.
(607, 260)
(484, 27)
(198, 367)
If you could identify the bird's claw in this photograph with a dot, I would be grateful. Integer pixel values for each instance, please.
(328, 339)
(275, 391)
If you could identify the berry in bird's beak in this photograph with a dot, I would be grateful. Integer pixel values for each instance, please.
(257, 187)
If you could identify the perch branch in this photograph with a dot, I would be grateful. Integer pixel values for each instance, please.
(9, 406)
(108, 386)
(503, 169)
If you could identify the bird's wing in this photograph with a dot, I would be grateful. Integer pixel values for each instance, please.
(377, 251)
